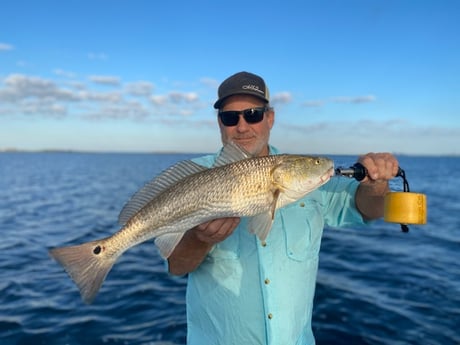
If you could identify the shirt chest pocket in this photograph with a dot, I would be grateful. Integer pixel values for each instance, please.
(303, 225)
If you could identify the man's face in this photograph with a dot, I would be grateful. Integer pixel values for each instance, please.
(252, 137)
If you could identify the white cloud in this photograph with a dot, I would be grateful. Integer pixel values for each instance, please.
(18, 86)
(209, 82)
(65, 74)
(348, 100)
(174, 98)
(355, 100)
(5, 47)
(179, 97)
(281, 98)
(38, 97)
(105, 80)
(33, 96)
(159, 100)
(313, 103)
(133, 110)
(361, 136)
(139, 88)
(78, 85)
(30, 95)
(109, 97)
(48, 107)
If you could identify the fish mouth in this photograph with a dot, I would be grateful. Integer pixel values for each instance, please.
(329, 173)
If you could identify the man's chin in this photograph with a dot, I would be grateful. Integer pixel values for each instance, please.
(251, 146)
(246, 144)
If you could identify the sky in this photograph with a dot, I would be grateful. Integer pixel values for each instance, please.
(345, 76)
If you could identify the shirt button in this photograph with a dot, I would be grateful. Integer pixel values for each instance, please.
(302, 204)
(270, 316)
(264, 244)
(267, 281)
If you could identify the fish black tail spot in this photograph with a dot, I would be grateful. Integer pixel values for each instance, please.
(86, 266)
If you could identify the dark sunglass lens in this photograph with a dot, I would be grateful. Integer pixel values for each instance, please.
(229, 118)
(254, 115)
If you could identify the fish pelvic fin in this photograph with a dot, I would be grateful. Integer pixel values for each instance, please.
(87, 265)
(167, 242)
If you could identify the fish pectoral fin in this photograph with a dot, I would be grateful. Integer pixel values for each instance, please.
(261, 224)
(276, 197)
(167, 242)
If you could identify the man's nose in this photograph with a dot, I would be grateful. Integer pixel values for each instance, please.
(242, 125)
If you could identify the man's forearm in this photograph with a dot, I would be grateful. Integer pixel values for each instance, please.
(370, 199)
(188, 255)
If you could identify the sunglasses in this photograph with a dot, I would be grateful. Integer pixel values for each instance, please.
(251, 115)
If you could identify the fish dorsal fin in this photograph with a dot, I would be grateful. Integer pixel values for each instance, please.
(166, 179)
(231, 153)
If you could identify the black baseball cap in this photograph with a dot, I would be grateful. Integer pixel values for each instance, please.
(242, 83)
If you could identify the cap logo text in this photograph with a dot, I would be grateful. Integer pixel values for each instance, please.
(253, 88)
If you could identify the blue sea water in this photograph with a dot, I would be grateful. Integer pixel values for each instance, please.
(375, 285)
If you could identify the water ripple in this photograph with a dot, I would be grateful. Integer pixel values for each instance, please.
(375, 286)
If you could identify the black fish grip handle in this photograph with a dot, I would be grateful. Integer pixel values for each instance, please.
(359, 172)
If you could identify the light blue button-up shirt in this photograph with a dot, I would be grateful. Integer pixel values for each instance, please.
(252, 292)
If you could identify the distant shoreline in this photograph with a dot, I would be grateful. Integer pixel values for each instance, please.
(15, 150)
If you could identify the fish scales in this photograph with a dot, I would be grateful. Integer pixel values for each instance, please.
(221, 192)
(177, 201)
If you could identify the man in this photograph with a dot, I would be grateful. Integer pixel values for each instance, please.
(244, 291)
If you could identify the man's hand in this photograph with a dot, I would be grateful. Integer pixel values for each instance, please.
(216, 230)
(197, 242)
(381, 167)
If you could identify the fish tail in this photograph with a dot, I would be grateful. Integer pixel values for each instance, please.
(87, 264)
